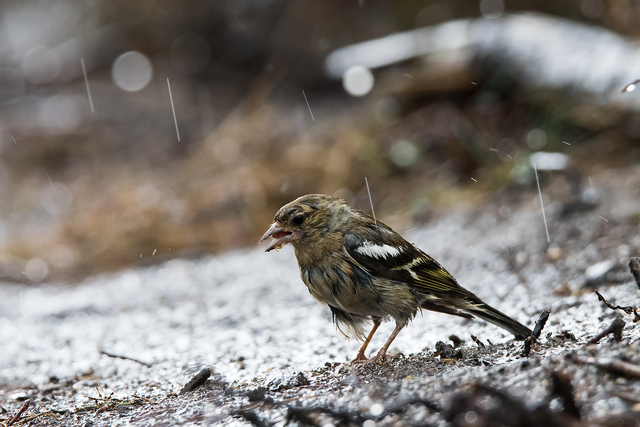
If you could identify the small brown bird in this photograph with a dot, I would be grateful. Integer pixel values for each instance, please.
(364, 271)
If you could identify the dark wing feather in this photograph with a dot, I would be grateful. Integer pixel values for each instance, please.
(384, 253)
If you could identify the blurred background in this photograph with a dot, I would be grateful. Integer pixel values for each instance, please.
(133, 132)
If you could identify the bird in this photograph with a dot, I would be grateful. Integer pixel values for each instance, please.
(366, 272)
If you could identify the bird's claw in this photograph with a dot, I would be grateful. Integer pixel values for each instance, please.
(360, 359)
(378, 359)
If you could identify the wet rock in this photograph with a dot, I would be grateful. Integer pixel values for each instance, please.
(457, 341)
(446, 351)
(286, 383)
(258, 394)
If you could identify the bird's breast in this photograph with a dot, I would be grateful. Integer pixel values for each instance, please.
(348, 288)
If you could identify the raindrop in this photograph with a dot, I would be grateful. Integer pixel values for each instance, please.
(545, 200)
(132, 71)
(358, 81)
(507, 149)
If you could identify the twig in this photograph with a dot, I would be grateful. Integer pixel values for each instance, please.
(196, 381)
(302, 414)
(537, 330)
(34, 416)
(542, 320)
(505, 409)
(477, 341)
(634, 266)
(24, 407)
(562, 388)
(614, 328)
(611, 365)
(117, 356)
(626, 309)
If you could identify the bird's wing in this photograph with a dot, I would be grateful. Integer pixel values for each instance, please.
(384, 253)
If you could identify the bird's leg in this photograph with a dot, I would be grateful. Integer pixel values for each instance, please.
(382, 354)
(361, 358)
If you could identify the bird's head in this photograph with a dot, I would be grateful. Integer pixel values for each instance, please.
(303, 221)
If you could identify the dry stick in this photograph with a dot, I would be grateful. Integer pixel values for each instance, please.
(614, 328)
(196, 381)
(563, 389)
(537, 330)
(611, 365)
(24, 407)
(626, 309)
(542, 320)
(477, 341)
(117, 356)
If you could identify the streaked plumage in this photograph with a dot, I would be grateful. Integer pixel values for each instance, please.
(364, 271)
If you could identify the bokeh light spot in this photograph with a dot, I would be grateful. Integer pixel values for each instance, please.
(536, 139)
(592, 9)
(404, 153)
(132, 71)
(36, 270)
(40, 65)
(358, 81)
(60, 113)
(491, 9)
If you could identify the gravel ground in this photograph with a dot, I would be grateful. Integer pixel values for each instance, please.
(273, 356)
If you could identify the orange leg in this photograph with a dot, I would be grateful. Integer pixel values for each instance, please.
(382, 354)
(361, 358)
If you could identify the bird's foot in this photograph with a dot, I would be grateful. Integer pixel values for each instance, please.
(378, 359)
(360, 359)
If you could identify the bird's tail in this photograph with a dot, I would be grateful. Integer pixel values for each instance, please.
(491, 315)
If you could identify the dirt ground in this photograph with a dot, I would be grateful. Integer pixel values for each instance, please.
(267, 354)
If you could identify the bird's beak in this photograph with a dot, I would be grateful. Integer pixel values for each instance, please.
(279, 236)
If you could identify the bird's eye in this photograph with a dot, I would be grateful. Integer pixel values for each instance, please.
(298, 220)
